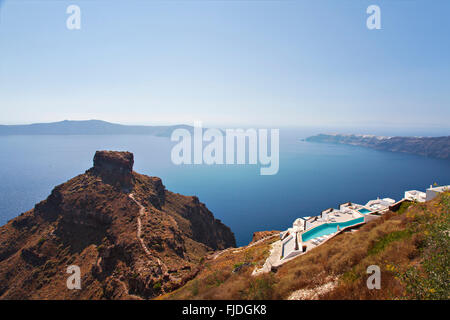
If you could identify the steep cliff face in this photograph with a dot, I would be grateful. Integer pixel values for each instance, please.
(130, 237)
(115, 168)
(435, 147)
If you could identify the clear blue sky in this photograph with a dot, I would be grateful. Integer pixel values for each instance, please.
(277, 63)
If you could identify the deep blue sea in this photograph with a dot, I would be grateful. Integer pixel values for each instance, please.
(312, 176)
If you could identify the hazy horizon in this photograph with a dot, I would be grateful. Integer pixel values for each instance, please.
(240, 64)
(306, 130)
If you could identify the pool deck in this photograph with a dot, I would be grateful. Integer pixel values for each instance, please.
(290, 245)
(339, 217)
(275, 259)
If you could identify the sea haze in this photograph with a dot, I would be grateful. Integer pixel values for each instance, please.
(312, 176)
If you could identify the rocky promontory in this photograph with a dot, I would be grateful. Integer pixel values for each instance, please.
(114, 167)
(129, 235)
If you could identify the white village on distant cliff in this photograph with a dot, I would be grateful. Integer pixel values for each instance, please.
(307, 233)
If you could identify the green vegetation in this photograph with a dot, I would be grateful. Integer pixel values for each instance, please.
(194, 288)
(384, 241)
(404, 206)
(350, 276)
(157, 286)
(41, 241)
(430, 279)
(237, 265)
(261, 288)
(216, 279)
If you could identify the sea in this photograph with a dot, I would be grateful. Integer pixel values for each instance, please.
(311, 177)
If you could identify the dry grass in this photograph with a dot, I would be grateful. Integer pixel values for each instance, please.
(217, 280)
(393, 242)
(345, 255)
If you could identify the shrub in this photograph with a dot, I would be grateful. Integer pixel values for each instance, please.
(430, 280)
(41, 241)
(382, 243)
(157, 286)
(194, 288)
(261, 288)
(405, 205)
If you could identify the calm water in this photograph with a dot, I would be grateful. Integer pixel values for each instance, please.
(312, 177)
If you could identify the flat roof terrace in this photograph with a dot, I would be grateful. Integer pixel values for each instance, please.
(337, 216)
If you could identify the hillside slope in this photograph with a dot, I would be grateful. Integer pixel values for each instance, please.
(411, 247)
(92, 221)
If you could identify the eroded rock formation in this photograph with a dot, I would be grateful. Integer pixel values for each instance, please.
(92, 222)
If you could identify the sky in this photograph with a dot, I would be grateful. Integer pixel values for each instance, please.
(227, 63)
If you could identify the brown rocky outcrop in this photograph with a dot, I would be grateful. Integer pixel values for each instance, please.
(92, 222)
(115, 168)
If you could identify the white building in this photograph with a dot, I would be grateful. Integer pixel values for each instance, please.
(432, 192)
(415, 195)
(349, 206)
(345, 206)
(309, 222)
(299, 223)
(380, 204)
(325, 214)
(291, 246)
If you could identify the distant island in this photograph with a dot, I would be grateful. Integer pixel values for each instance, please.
(88, 127)
(434, 147)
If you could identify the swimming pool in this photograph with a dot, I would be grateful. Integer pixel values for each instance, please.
(328, 228)
(364, 211)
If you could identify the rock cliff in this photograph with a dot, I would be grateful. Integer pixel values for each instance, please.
(131, 237)
(435, 147)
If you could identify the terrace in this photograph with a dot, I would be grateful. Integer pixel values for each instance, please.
(309, 232)
(312, 231)
(415, 195)
(379, 204)
(349, 207)
(432, 192)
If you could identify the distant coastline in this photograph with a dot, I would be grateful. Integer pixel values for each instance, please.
(87, 127)
(433, 147)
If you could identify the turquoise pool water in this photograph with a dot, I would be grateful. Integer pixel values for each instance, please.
(364, 211)
(328, 228)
